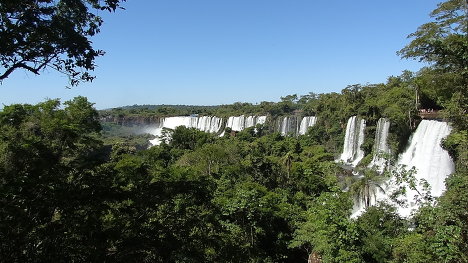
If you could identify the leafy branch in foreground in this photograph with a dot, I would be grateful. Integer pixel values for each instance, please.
(51, 34)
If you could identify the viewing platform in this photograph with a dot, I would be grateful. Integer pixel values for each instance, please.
(430, 114)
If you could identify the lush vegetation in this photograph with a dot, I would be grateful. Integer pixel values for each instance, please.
(72, 191)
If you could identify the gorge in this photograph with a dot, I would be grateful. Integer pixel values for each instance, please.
(432, 163)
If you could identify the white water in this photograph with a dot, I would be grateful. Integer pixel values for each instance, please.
(431, 162)
(206, 123)
(291, 125)
(354, 138)
(306, 122)
(236, 123)
(239, 123)
(260, 120)
(209, 124)
(381, 149)
(285, 127)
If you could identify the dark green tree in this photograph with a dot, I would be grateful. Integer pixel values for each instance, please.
(44, 34)
(52, 188)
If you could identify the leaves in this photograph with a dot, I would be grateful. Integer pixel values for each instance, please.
(51, 34)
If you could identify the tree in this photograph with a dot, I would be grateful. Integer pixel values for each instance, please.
(367, 187)
(378, 228)
(44, 34)
(327, 230)
(51, 186)
(443, 43)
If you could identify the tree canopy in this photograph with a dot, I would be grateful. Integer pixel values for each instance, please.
(52, 34)
(443, 43)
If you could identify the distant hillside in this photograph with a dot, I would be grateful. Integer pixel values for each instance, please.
(155, 107)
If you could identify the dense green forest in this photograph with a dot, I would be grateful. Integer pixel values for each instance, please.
(75, 190)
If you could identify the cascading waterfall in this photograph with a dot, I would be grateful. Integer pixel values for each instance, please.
(286, 126)
(381, 149)
(206, 123)
(214, 124)
(236, 123)
(209, 124)
(354, 138)
(295, 125)
(431, 161)
(250, 121)
(239, 123)
(306, 122)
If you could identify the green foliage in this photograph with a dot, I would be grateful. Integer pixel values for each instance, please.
(184, 138)
(328, 231)
(366, 187)
(70, 192)
(378, 228)
(53, 34)
(443, 43)
(52, 187)
(411, 248)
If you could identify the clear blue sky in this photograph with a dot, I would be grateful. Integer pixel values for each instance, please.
(209, 52)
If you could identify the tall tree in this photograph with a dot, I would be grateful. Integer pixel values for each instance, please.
(443, 43)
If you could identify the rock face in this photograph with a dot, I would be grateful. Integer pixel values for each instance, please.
(314, 258)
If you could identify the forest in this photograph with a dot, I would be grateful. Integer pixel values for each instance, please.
(77, 188)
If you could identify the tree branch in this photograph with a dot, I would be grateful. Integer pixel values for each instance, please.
(15, 66)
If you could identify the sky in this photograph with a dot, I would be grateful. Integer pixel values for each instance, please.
(212, 52)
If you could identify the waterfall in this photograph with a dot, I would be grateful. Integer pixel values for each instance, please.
(306, 122)
(206, 123)
(236, 123)
(431, 161)
(209, 124)
(291, 125)
(213, 124)
(239, 123)
(354, 138)
(381, 149)
(285, 126)
(250, 121)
